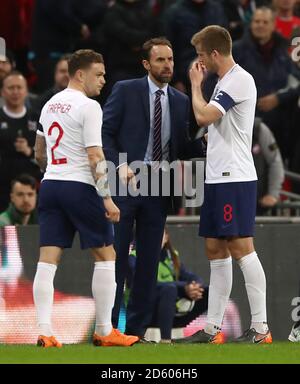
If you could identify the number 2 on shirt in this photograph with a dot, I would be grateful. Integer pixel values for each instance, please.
(62, 160)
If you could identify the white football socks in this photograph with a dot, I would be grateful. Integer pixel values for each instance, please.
(255, 282)
(218, 293)
(43, 291)
(104, 290)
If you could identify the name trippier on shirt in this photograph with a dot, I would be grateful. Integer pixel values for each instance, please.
(58, 108)
(70, 122)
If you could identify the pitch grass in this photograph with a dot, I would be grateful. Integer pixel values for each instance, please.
(279, 352)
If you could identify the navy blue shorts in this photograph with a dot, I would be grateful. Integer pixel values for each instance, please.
(69, 206)
(228, 210)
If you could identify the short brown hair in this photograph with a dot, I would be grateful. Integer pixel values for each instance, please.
(14, 72)
(65, 57)
(82, 59)
(213, 38)
(25, 179)
(264, 9)
(149, 44)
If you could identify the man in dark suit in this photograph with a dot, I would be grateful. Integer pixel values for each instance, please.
(148, 120)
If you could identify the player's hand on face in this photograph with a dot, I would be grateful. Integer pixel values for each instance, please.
(112, 211)
(21, 145)
(197, 71)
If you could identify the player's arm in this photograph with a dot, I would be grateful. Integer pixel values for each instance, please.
(205, 114)
(99, 171)
(92, 119)
(275, 164)
(40, 153)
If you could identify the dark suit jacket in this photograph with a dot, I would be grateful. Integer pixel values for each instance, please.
(126, 123)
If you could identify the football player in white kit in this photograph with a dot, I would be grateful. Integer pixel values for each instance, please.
(75, 196)
(228, 213)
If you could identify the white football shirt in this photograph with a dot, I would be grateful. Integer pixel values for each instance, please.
(229, 156)
(70, 122)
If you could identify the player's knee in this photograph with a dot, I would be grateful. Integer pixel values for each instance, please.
(214, 253)
(104, 253)
(50, 255)
(240, 247)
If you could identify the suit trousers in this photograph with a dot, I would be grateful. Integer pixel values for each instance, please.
(148, 214)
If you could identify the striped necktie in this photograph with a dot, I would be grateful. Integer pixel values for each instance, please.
(157, 149)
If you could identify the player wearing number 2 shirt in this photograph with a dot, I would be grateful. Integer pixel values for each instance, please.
(72, 122)
(227, 216)
(75, 196)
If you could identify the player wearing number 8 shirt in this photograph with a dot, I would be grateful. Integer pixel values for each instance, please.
(75, 196)
(227, 216)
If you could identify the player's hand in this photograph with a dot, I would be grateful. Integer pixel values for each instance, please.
(194, 291)
(268, 201)
(127, 176)
(197, 72)
(112, 211)
(21, 145)
(267, 103)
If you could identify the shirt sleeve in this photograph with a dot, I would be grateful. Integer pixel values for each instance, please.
(236, 90)
(40, 130)
(92, 125)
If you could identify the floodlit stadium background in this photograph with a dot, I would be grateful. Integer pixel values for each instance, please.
(73, 313)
